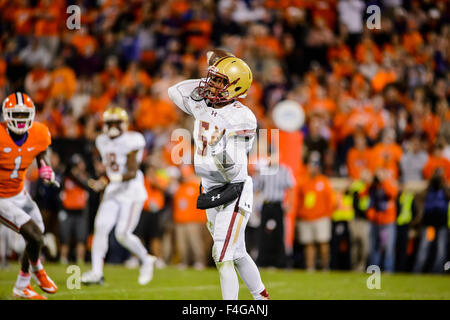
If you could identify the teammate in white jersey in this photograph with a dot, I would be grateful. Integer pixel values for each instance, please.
(224, 131)
(124, 195)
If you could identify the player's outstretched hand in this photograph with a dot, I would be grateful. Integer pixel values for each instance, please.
(98, 184)
(216, 136)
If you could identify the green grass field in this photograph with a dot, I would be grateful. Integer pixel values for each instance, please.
(173, 284)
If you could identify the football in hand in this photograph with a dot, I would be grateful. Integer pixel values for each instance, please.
(215, 54)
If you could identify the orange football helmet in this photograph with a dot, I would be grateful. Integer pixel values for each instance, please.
(18, 112)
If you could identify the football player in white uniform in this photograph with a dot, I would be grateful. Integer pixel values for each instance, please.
(224, 131)
(124, 195)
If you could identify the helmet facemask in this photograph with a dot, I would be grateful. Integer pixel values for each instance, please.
(215, 86)
(114, 128)
(19, 119)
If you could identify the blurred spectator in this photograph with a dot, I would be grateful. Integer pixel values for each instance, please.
(189, 221)
(315, 142)
(340, 253)
(274, 182)
(35, 53)
(359, 157)
(413, 160)
(387, 154)
(64, 82)
(435, 161)
(407, 207)
(316, 203)
(434, 224)
(359, 226)
(318, 39)
(351, 15)
(73, 216)
(382, 214)
(37, 83)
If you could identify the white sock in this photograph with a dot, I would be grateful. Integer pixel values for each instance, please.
(99, 249)
(37, 266)
(249, 273)
(134, 245)
(229, 282)
(23, 280)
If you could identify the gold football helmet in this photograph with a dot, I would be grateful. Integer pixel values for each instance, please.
(115, 121)
(227, 79)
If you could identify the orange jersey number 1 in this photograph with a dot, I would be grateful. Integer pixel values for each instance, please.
(17, 163)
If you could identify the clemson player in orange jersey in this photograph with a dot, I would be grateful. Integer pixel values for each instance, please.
(21, 141)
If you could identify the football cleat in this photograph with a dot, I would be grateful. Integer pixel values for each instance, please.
(27, 293)
(90, 277)
(44, 281)
(264, 295)
(146, 271)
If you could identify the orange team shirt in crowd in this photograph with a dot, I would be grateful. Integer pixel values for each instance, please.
(129, 80)
(23, 23)
(431, 125)
(390, 214)
(73, 196)
(339, 52)
(153, 113)
(386, 156)
(98, 104)
(412, 41)
(345, 124)
(111, 79)
(179, 7)
(367, 46)
(15, 160)
(381, 79)
(284, 4)
(53, 119)
(315, 198)
(49, 26)
(185, 204)
(270, 43)
(325, 9)
(40, 76)
(155, 197)
(200, 33)
(64, 83)
(340, 129)
(357, 161)
(343, 68)
(321, 104)
(84, 43)
(437, 162)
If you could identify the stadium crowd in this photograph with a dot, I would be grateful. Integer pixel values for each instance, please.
(371, 163)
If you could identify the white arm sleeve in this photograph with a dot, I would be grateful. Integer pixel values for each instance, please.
(181, 92)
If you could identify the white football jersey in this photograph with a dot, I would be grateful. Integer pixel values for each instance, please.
(114, 153)
(238, 120)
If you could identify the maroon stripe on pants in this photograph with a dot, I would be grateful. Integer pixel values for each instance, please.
(9, 224)
(230, 229)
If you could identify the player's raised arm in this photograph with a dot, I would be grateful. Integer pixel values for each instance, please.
(183, 92)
